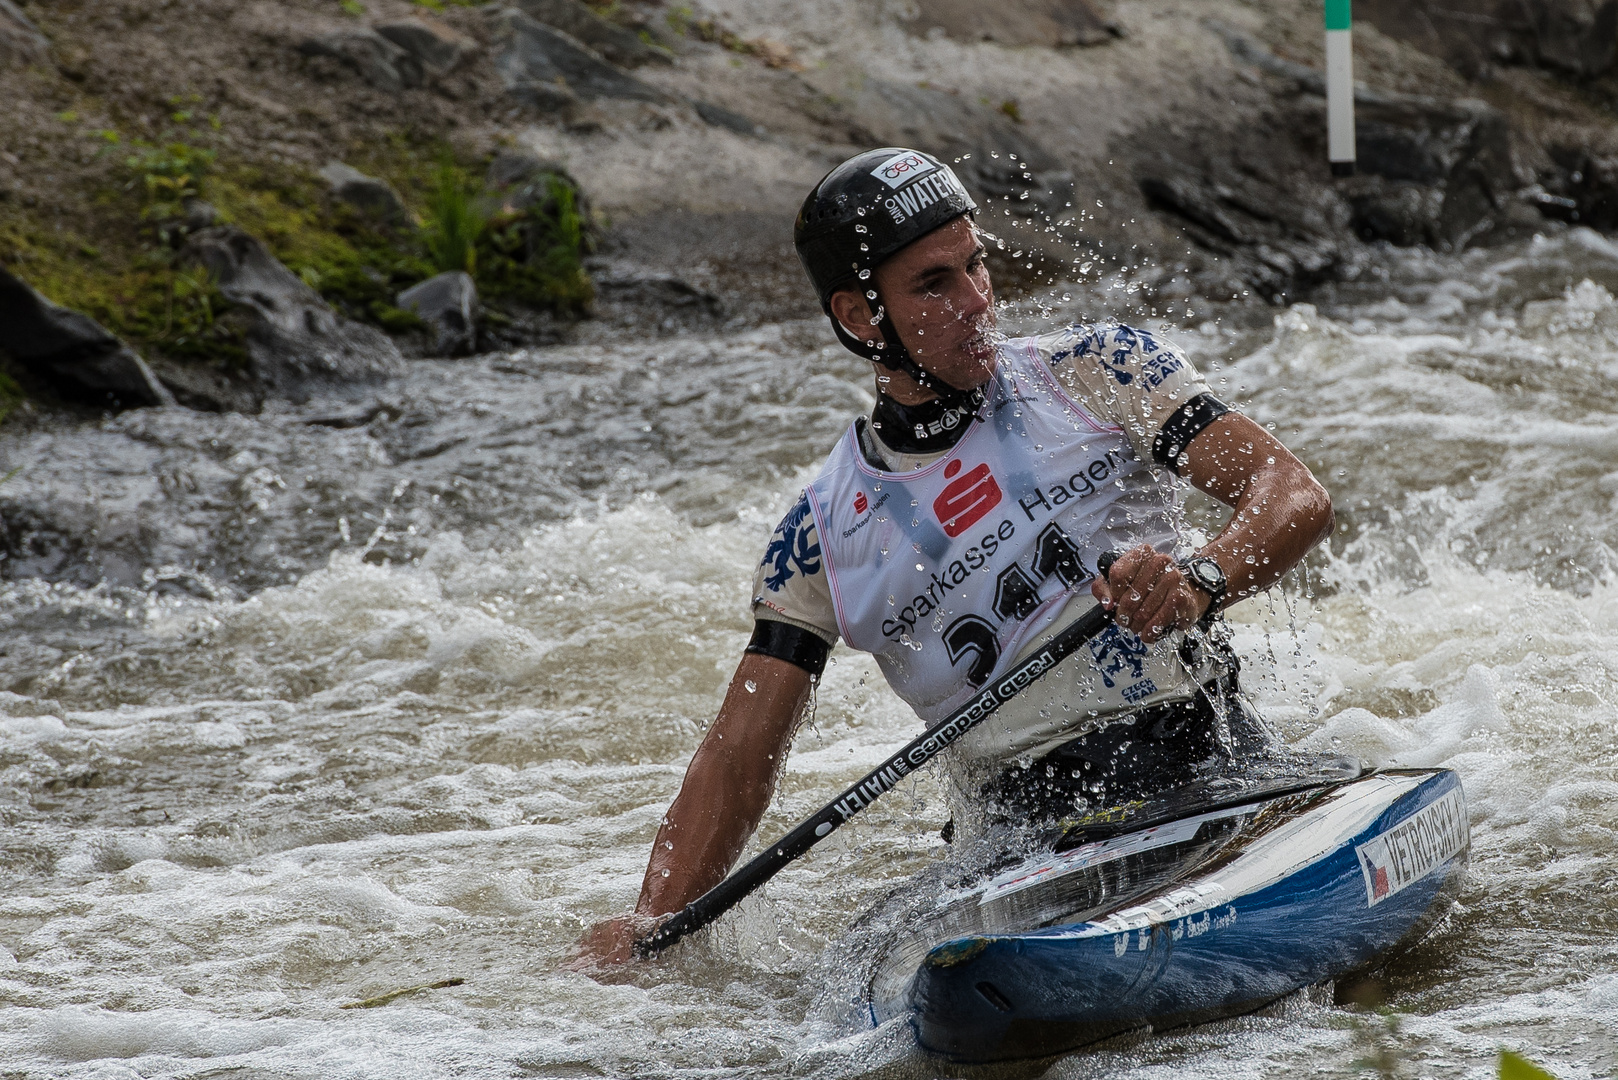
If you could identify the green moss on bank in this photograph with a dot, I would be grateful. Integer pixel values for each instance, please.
(137, 292)
(122, 269)
(358, 266)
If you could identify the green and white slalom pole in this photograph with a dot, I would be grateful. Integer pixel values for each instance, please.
(1340, 87)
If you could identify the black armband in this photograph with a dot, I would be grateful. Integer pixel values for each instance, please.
(797, 646)
(1186, 424)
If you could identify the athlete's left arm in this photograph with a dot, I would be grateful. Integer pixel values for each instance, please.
(1281, 512)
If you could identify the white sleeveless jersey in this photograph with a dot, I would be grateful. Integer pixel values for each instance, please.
(947, 573)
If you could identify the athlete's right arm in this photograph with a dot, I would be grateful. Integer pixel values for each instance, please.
(726, 790)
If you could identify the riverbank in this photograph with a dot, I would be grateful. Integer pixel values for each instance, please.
(1177, 149)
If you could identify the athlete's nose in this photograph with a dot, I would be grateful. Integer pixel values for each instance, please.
(970, 301)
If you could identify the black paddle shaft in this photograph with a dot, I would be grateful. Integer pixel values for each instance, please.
(916, 753)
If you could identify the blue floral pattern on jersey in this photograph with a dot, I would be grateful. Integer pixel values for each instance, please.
(793, 547)
(1115, 649)
(1125, 352)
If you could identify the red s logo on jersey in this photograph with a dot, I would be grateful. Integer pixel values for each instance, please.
(964, 501)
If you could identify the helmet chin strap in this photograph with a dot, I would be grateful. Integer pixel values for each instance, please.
(892, 355)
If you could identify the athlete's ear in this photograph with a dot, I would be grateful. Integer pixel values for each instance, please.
(849, 308)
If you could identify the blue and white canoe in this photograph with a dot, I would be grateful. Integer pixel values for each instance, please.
(1188, 909)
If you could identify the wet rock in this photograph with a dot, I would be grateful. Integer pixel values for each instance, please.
(217, 387)
(638, 295)
(20, 40)
(1001, 164)
(1011, 22)
(448, 305)
(199, 214)
(71, 353)
(1577, 37)
(438, 48)
(296, 345)
(522, 181)
(1273, 228)
(1433, 171)
(512, 169)
(1403, 214)
(1461, 146)
(721, 117)
(549, 69)
(371, 196)
(1587, 190)
(616, 44)
(1196, 203)
(1405, 137)
(378, 61)
(1247, 51)
(194, 215)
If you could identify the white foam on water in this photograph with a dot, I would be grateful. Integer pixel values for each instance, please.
(227, 817)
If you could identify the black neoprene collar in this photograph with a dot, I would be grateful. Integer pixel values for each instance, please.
(931, 427)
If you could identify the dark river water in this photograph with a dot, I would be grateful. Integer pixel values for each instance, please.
(297, 714)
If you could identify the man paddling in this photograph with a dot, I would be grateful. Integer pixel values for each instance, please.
(960, 525)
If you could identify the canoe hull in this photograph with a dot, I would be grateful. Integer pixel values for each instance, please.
(1303, 891)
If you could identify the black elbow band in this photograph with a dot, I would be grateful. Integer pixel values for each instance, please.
(1186, 424)
(794, 644)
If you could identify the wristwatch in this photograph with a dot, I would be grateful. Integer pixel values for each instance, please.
(1206, 574)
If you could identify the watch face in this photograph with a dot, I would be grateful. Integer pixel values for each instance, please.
(1208, 574)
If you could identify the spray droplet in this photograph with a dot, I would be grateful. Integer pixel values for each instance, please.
(752, 687)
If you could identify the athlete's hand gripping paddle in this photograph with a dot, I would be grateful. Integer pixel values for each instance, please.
(916, 753)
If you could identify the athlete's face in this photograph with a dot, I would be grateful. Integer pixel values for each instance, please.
(938, 292)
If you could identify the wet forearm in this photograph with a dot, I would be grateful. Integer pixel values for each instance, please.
(727, 786)
(1281, 511)
(1273, 528)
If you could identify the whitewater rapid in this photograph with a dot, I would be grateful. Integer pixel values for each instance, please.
(307, 714)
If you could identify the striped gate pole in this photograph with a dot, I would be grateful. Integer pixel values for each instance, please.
(1340, 87)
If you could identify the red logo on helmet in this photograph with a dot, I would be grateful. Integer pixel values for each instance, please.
(909, 163)
(964, 501)
(861, 503)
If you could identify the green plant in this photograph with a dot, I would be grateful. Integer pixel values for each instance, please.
(395, 320)
(455, 221)
(11, 396)
(169, 174)
(1516, 1067)
(535, 255)
(346, 257)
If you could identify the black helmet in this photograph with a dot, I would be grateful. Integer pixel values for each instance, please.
(861, 213)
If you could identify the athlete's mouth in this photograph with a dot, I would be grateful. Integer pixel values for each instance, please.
(982, 342)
